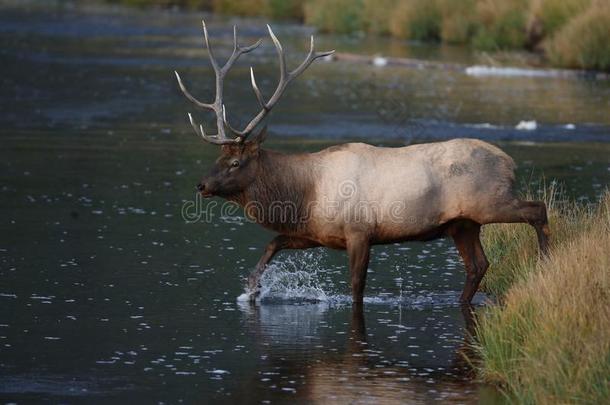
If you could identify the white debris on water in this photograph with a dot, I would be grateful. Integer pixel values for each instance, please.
(569, 126)
(217, 371)
(482, 70)
(380, 61)
(484, 125)
(527, 125)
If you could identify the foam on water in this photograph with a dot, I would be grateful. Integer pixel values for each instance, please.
(482, 70)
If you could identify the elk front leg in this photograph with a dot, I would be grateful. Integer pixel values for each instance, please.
(358, 250)
(278, 243)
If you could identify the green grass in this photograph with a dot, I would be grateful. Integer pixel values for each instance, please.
(416, 19)
(340, 16)
(547, 16)
(458, 21)
(547, 341)
(378, 14)
(501, 24)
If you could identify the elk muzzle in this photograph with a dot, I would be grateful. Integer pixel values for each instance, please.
(205, 189)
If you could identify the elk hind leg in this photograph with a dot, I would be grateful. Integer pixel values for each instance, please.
(358, 251)
(466, 236)
(533, 213)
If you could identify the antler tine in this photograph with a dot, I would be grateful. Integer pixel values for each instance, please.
(280, 53)
(211, 139)
(238, 51)
(311, 56)
(209, 48)
(189, 96)
(235, 46)
(226, 122)
(259, 95)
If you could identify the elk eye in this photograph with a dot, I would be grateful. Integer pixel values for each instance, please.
(235, 163)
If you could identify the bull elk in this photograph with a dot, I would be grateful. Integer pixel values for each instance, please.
(355, 195)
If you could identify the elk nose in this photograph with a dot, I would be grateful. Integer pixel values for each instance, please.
(200, 187)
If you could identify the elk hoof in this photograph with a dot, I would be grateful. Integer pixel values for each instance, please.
(254, 294)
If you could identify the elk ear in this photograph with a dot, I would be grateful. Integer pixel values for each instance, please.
(255, 143)
(261, 136)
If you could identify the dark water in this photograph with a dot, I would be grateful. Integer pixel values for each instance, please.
(107, 293)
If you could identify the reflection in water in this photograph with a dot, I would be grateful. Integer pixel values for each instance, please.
(350, 365)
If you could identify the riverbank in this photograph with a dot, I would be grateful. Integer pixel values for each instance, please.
(567, 33)
(547, 340)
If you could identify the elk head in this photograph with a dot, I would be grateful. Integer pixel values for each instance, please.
(238, 164)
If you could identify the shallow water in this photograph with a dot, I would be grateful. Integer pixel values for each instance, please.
(106, 292)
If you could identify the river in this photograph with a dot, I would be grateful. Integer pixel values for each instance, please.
(107, 293)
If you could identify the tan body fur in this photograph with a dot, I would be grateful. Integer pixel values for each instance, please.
(397, 194)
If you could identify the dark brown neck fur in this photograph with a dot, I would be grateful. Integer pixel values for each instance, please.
(279, 197)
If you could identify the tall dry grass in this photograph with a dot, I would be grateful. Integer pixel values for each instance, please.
(548, 16)
(458, 20)
(501, 24)
(377, 15)
(584, 41)
(416, 19)
(277, 9)
(548, 341)
(340, 16)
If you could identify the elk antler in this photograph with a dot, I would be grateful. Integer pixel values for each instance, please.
(218, 106)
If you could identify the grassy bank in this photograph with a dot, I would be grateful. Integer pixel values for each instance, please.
(547, 341)
(570, 33)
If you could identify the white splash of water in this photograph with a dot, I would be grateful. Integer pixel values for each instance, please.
(295, 277)
(300, 277)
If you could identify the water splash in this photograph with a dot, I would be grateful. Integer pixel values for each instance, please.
(297, 277)
(300, 278)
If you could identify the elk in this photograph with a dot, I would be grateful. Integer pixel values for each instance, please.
(354, 195)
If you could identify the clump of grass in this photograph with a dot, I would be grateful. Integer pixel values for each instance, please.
(240, 7)
(277, 9)
(377, 15)
(458, 23)
(416, 19)
(548, 16)
(548, 342)
(583, 41)
(285, 9)
(501, 24)
(341, 16)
